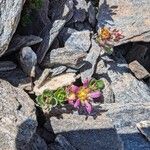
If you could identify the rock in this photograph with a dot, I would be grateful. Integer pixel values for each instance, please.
(36, 143)
(79, 41)
(58, 70)
(125, 117)
(88, 69)
(144, 127)
(91, 14)
(56, 82)
(18, 117)
(63, 56)
(87, 134)
(82, 26)
(65, 8)
(17, 78)
(19, 42)
(7, 65)
(70, 70)
(28, 61)
(130, 17)
(141, 54)
(139, 71)
(48, 35)
(9, 21)
(80, 12)
(125, 86)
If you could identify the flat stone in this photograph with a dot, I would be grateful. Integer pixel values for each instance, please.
(125, 86)
(55, 82)
(91, 60)
(18, 117)
(28, 61)
(125, 117)
(130, 17)
(19, 42)
(63, 56)
(7, 65)
(87, 134)
(58, 70)
(144, 127)
(9, 21)
(79, 41)
(139, 71)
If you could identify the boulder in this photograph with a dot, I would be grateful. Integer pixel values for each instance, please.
(87, 134)
(18, 117)
(79, 41)
(7, 65)
(130, 16)
(63, 56)
(9, 21)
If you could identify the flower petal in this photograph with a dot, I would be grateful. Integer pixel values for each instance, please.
(85, 82)
(88, 107)
(77, 103)
(71, 102)
(74, 88)
(95, 94)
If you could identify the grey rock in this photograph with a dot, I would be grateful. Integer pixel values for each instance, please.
(36, 143)
(79, 41)
(58, 70)
(28, 61)
(17, 78)
(65, 8)
(9, 21)
(19, 42)
(88, 69)
(55, 146)
(71, 70)
(139, 71)
(63, 56)
(55, 44)
(87, 134)
(18, 117)
(125, 117)
(81, 26)
(80, 12)
(130, 17)
(125, 86)
(144, 127)
(7, 65)
(91, 14)
(48, 35)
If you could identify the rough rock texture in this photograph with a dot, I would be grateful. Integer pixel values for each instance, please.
(139, 71)
(19, 42)
(28, 61)
(7, 65)
(125, 86)
(79, 41)
(17, 117)
(125, 117)
(9, 21)
(90, 62)
(130, 16)
(63, 56)
(90, 134)
(56, 82)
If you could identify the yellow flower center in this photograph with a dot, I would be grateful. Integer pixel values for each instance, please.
(72, 96)
(105, 33)
(83, 93)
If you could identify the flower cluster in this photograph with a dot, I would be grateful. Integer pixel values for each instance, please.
(83, 95)
(107, 37)
(77, 96)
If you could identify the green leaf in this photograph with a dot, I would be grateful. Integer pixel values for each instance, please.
(96, 84)
(40, 100)
(100, 84)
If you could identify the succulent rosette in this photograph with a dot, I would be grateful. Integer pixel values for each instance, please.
(83, 95)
